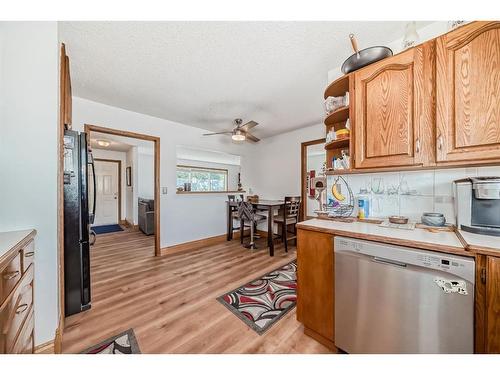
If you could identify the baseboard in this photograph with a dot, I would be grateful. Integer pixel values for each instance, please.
(197, 244)
(45, 348)
(128, 224)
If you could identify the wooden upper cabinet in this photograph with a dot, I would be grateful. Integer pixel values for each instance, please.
(468, 94)
(393, 109)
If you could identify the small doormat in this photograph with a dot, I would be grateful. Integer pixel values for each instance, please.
(123, 343)
(264, 301)
(101, 229)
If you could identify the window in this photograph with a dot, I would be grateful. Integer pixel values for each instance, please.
(202, 179)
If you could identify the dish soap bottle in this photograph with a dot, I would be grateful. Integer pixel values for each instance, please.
(363, 206)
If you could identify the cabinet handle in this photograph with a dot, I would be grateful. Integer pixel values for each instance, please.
(417, 145)
(440, 142)
(21, 308)
(11, 275)
(29, 254)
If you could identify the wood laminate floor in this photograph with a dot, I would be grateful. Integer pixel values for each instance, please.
(170, 301)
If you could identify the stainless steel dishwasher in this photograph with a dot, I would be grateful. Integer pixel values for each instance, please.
(391, 299)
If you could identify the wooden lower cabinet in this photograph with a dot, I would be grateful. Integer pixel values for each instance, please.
(315, 285)
(16, 295)
(487, 316)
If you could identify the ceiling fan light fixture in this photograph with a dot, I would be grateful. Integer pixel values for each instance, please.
(103, 143)
(238, 136)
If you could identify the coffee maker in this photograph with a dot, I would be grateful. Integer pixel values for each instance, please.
(477, 205)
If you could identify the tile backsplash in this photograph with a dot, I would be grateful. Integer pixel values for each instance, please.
(410, 193)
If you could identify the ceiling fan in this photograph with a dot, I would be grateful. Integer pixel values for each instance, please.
(240, 132)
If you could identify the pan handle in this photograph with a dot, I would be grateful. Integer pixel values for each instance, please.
(354, 44)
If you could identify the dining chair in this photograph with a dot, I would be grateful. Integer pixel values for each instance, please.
(249, 217)
(233, 214)
(288, 216)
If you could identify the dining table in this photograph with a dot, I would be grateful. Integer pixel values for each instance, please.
(268, 205)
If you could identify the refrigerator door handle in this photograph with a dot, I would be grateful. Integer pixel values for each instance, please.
(95, 187)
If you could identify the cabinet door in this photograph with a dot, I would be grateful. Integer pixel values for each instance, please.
(492, 332)
(393, 107)
(315, 283)
(468, 94)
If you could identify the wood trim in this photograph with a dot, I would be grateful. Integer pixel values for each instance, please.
(119, 184)
(303, 171)
(58, 341)
(210, 192)
(60, 185)
(194, 245)
(88, 128)
(46, 348)
(204, 242)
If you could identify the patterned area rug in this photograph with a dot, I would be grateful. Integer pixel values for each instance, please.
(264, 301)
(123, 343)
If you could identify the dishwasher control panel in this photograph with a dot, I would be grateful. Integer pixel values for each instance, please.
(392, 254)
(439, 262)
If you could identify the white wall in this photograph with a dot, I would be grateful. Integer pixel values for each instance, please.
(115, 155)
(131, 191)
(29, 60)
(146, 174)
(275, 168)
(176, 209)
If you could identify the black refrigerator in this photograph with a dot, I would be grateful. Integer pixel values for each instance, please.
(79, 209)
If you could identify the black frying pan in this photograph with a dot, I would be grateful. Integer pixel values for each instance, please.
(364, 57)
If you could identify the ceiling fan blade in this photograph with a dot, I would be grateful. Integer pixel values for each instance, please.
(252, 138)
(219, 133)
(249, 125)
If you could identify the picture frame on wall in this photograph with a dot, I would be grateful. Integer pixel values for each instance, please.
(128, 174)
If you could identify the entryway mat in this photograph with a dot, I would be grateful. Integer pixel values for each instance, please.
(101, 229)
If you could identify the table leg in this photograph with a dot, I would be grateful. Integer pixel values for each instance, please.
(229, 223)
(270, 230)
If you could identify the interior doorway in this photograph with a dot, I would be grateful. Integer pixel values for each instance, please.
(127, 167)
(313, 156)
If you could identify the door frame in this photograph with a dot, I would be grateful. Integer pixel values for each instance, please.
(303, 171)
(88, 128)
(119, 162)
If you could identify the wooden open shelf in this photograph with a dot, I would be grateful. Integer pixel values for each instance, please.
(339, 115)
(338, 87)
(338, 143)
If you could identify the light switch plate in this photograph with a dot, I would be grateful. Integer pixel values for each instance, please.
(164, 190)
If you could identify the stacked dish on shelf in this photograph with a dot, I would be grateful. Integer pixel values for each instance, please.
(337, 125)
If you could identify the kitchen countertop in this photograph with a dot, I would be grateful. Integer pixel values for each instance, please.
(447, 242)
(479, 243)
(9, 240)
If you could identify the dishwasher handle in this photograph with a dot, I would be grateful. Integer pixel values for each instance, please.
(390, 262)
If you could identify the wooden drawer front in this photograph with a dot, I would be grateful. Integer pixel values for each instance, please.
(24, 343)
(28, 255)
(15, 310)
(9, 276)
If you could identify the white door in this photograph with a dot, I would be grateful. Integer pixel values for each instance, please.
(106, 175)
